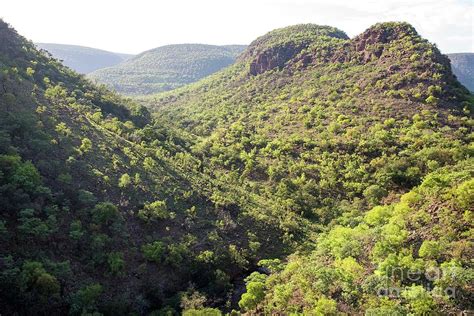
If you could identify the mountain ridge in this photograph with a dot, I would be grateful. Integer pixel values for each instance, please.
(463, 67)
(310, 183)
(167, 67)
(83, 59)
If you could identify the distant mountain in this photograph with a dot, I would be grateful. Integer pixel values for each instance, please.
(83, 59)
(167, 67)
(463, 67)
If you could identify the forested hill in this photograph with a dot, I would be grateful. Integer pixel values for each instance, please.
(167, 67)
(463, 68)
(103, 209)
(364, 148)
(83, 59)
(310, 176)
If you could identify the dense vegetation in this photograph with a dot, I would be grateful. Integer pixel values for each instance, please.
(317, 175)
(361, 149)
(83, 59)
(463, 68)
(167, 67)
(98, 210)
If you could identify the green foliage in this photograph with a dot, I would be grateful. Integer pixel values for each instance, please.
(430, 249)
(76, 232)
(325, 306)
(286, 154)
(85, 300)
(105, 213)
(154, 251)
(34, 277)
(153, 211)
(465, 194)
(116, 262)
(124, 181)
(255, 291)
(202, 312)
(167, 67)
(419, 300)
(86, 145)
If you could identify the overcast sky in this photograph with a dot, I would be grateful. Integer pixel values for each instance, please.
(132, 26)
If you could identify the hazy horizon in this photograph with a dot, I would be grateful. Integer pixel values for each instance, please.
(114, 25)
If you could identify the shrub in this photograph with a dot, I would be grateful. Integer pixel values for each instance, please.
(325, 306)
(432, 100)
(86, 145)
(154, 251)
(76, 231)
(85, 300)
(124, 181)
(255, 291)
(105, 213)
(374, 194)
(430, 249)
(34, 276)
(419, 300)
(86, 198)
(116, 262)
(155, 210)
(465, 194)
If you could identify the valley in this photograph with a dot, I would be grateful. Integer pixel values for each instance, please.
(308, 173)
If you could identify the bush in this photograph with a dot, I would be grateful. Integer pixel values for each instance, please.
(34, 276)
(47, 284)
(465, 194)
(86, 145)
(86, 198)
(154, 251)
(325, 306)
(374, 194)
(116, 262)
(76, 231)
(255, 291)
(105, 213)
(124, 181)
(419, 300)
(430, 249)
(85, 300)
(155, 210)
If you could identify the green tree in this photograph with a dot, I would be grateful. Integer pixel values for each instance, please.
(105, 213)
(124, 181)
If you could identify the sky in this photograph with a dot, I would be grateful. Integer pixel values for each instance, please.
(133, 26)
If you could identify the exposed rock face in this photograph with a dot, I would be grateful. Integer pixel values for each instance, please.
(276, 48)
(272, 58)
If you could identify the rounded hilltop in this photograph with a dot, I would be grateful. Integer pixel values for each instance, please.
(275, 48)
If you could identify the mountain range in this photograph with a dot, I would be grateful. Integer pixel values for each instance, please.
(167, 67)
(314, 174)
(83, 59)
(463, 68)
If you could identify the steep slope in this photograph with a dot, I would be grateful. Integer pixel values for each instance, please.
(103, 209)
(167, 67)
(463, 68)
(325, 128)
(83, 59)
